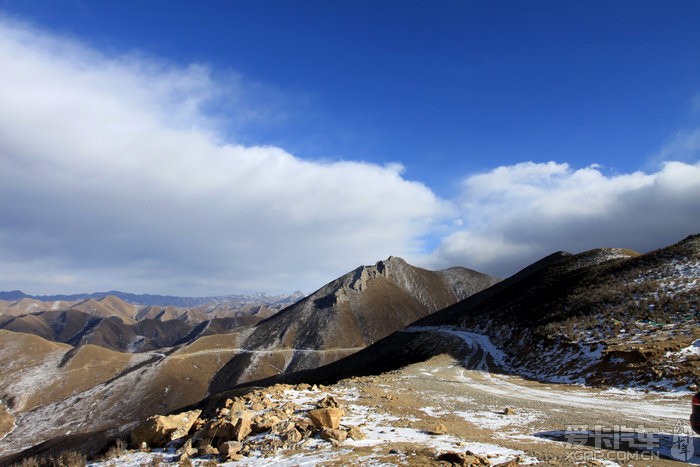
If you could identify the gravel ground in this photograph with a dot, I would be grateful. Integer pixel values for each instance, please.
(544, 420)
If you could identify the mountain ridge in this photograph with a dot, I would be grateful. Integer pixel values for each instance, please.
(153, 299)
(604, 317)
(347, 314)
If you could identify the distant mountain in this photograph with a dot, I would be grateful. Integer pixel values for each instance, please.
(159, 300)
(115, 324)
(346, 315)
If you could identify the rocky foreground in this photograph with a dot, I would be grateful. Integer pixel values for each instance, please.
(434, 413)
(285, 423)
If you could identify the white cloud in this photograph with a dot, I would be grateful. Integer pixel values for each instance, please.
(114, 177)
(514, 215)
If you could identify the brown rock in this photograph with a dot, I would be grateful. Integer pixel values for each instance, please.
(440, 429)
(222, 429)
(305, 427)
(458, 458)
(265, 422)
(331, 434)
(466, 459)
(199, 424)
(510, 463)
(283, 427)
(289, 408)
(508, 411)
(328, 401)
(159, 430)
(243, 426)
(258, 406)
(476, 459)
(292, 436)
(356, 434)
(187, 449)
(230, 450)
(237, 406)
(326, 418)
(207, 450)
(7, 420)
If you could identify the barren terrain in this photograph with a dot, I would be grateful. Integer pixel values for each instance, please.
(413, 415)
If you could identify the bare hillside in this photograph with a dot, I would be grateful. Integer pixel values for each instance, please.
(346, 315)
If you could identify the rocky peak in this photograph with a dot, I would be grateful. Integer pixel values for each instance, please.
(389, 267)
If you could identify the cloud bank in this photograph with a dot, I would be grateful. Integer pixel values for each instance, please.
(115, 176)
(520, 213)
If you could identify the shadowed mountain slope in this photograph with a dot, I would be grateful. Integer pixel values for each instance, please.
(602, 317)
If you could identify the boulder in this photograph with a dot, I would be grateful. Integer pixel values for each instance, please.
(159, 430)
(326, 418)
(335, 436)
(243, 425)
(356, 434)
(7, 420)
(328, 401)
(508, 411)
(187, 450)
(288, 408)
(305, 426)
(440, 429)
(230, 451)
(466, 459)
(265, 422)
(454, 458)
(292, 436)
(221, 429)
(283, 427)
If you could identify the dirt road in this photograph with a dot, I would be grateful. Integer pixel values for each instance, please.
(553, 424)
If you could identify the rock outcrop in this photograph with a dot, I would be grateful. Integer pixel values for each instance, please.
(261, 421)
(159, 430)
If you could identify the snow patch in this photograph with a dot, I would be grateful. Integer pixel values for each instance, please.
(692, 351)
(434, 412)
(482, 350)
(496, 420)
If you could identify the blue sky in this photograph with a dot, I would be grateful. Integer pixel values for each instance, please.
(481, 134)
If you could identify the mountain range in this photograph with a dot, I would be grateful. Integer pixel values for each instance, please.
(606, 317)
(158, 300)
(57, 369)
